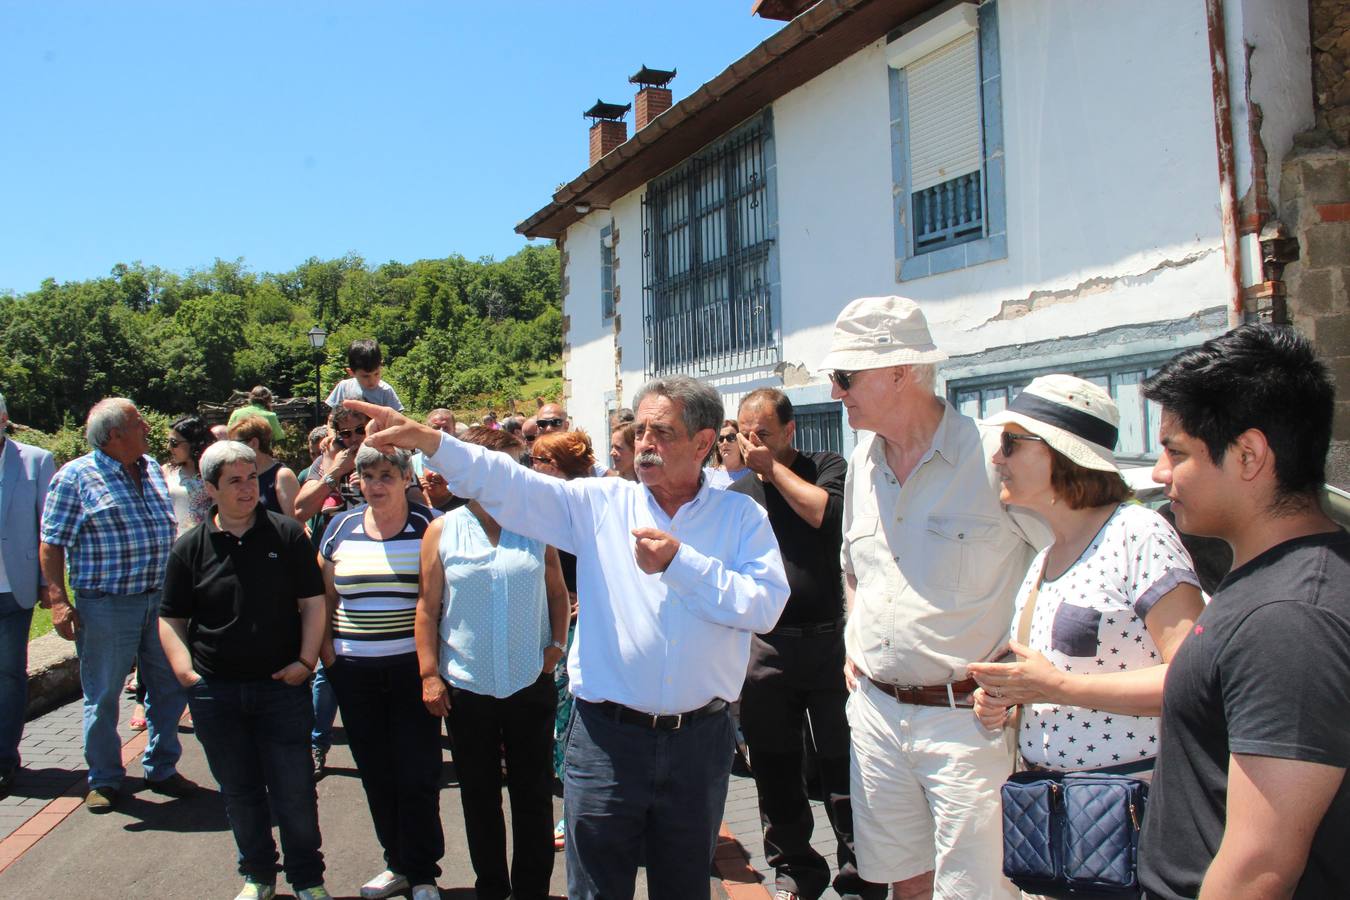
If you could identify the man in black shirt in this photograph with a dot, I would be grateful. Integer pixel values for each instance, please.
(1249, 798)
(241, 623)
(795, 676)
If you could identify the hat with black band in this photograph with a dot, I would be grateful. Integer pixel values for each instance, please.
(1073, 416)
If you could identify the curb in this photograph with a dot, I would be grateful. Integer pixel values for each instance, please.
(732, 862)
(53, 674)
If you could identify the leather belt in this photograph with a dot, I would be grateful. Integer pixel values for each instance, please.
(809, 629)
(670, 722)
(958, 693)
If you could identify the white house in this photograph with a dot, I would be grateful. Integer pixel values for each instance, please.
(1063, 186)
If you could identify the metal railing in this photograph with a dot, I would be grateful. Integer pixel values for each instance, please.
(948, 213)
(707, 297)
(820, 426)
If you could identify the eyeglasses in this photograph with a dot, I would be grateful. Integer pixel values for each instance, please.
(345, 433)
(175, 443)
(529, 438)
(542, 460)
(842, 379)
(1007, 441)
(726, 438)
(549, 423)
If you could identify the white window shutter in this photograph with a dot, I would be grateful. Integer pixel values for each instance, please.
(944, 113)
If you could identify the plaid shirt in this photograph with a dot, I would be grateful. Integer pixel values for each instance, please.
(117, 538)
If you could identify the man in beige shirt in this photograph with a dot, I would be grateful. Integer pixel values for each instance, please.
(932, 562)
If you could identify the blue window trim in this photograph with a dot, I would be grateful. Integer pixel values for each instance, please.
(994, 244)
(817, 395)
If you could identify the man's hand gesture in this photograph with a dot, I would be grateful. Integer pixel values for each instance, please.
(388, 429)
(654, 549)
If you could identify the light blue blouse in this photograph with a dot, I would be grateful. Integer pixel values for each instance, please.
(494, 608)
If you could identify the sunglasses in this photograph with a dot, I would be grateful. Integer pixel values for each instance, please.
(549, 423)
(1007, 442)
(842, 379)
(175, 443)
(529, 438)
(542, 460)
(726, 438)
(345, 433)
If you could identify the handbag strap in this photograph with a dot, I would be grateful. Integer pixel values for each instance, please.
(1029, 611)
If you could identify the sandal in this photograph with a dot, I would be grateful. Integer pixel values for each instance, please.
(137, 722)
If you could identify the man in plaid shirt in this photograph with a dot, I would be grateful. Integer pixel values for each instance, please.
(109, 516)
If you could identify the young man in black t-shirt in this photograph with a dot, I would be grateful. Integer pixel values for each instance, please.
(796, 672)
(241, 622)
(1249, 798)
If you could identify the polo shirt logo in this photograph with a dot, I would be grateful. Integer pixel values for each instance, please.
(271, 556)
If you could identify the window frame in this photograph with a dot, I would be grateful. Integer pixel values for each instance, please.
(992, 243)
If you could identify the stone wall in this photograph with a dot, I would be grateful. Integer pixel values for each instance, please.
(1315, 201)
(1330, 22)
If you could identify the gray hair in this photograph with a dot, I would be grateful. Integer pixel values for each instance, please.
(368, 458)
(926, 375)
(105, 417)
(318, 433)
(222, 454)
(701, 405)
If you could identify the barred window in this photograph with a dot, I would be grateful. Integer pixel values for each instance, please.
(707, 297)
(820, 426)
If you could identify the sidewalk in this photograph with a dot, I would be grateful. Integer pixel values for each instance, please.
(153, 846)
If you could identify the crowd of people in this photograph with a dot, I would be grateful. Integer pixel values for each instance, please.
(959, 600)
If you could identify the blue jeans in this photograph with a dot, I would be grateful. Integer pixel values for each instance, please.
(14, 624)
(627, 787)
(115, 631)
(256, 738)
(325, 709)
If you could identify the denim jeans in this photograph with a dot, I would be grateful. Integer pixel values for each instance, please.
(397, 747)
(14, 624)
(325, 710)
(115, 631)
(256, 738)
(627, 787)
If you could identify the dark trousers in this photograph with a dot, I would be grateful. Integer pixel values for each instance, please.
(628, 788)
(256, 738)
(522, 725)
(795, 687)
(397, 747)
(15, 622)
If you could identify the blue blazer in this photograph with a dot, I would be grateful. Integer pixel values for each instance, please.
(28, 472)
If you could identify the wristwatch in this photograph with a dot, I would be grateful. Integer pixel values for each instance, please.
(561, 646)
(333, 484)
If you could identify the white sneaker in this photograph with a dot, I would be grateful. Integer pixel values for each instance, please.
(385, 884)
(426, 892)
(256, 890)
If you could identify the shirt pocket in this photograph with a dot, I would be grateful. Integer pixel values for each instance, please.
(961, 555)
(1074, 630)
(866, 549)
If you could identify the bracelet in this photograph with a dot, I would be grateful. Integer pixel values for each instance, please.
(333, 483)
(301, 661)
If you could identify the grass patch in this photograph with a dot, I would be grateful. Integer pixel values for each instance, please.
(42, 623)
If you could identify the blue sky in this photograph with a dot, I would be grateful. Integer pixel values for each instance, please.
(176, 132)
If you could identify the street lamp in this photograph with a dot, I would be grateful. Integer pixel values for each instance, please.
(317, 336)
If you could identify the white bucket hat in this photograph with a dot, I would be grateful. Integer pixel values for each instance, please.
(879, 332)
(1073, 416)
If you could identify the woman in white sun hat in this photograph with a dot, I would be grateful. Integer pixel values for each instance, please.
(1107, 603)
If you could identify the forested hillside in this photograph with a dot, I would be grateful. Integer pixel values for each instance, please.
(452, 330)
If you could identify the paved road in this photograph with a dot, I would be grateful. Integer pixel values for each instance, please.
(157, 847)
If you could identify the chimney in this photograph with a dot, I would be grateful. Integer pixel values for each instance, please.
(608, 129)
(653, 97)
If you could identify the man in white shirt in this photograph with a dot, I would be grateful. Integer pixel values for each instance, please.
(932, 562)
(673, 578)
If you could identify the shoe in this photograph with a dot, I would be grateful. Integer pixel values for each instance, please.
(560, 835)
(318, 892)
(781, 894)
(256, 890)
(137, 723)
(173, 786)
(320, 757)
(426, 892)
(100, 799)
(385, 884)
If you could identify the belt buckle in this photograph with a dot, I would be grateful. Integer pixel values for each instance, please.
(657, 717)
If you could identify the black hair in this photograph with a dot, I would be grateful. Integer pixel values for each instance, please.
(197, 434)
(776, 399)
(1265, 377)
(364, 355)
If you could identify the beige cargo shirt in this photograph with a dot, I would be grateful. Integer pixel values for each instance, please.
(938, 559)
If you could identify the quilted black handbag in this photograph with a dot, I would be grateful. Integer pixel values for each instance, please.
(1073, 834)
